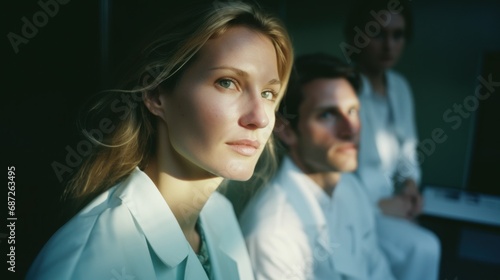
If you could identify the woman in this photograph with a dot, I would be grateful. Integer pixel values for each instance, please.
(200, 107)
(388, 166)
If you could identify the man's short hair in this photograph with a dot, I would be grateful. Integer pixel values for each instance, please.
(310, 67)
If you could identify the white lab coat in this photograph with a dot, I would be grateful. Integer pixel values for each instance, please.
(129, 232)
(377, 180)
(412, 251)
(294, 230)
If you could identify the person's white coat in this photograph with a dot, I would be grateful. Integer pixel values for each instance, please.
(388, 154)
(129, 232)
(294, 230)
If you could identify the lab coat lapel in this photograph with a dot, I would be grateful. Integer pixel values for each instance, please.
(194, 270)
(224, 264)
(155, 219)
(368, 115)
(159, 225)
(347, 257)
(398, 115)
(300, 193)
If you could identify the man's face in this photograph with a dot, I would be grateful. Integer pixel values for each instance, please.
(327, 133)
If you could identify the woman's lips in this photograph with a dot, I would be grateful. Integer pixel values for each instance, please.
(245, 147)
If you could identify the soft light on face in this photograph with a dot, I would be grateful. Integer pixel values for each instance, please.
(222, 111)
(384, 50)
(328, 129)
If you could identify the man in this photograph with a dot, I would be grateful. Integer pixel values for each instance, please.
(312, 221)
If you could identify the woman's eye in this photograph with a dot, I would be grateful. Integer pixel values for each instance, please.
(269, 95)
(226, 83)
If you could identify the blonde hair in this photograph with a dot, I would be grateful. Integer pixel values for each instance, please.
(131, 142)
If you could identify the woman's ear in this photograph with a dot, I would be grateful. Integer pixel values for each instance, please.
(284, 131)
(154, 103)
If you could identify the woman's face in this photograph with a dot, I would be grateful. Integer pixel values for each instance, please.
(222, 111)
(384, 50)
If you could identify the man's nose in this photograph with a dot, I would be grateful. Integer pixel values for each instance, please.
(348, 126)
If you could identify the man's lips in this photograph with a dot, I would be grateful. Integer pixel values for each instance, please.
(244, 147)
(347, 148)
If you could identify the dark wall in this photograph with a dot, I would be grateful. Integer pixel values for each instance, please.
(47, 72)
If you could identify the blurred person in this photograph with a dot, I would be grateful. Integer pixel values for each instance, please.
(147, 199)
(313, 220)
(388, 167)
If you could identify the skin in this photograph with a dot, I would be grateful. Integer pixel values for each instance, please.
(229, 93)
(381, 54)
(325, 142)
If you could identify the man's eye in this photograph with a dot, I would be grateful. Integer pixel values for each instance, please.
(226, 83)
(353, 111)
(269, 95)
(326, 115)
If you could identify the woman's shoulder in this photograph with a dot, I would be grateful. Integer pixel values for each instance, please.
(84, 242)
(395, 74)
(398, 79)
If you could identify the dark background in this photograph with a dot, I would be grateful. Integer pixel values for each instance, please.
(44, 84)
(47, 81)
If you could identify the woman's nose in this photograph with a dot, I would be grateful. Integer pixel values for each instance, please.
(255, 115)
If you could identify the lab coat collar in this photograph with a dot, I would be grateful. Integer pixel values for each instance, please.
(351, 229)
(305, 193)
(155, 218)
(366, 89)
(367, 92)
(398, 111)
(393, 98)
(165, 236)
(300, 187)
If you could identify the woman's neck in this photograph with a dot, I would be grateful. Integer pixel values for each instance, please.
(185, 187)
(376, 78)
(185, 197)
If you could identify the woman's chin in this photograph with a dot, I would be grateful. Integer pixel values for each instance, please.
(238, 171)
(239, 176)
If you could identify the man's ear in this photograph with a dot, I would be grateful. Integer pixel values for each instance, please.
(154, 102)
(284, 131)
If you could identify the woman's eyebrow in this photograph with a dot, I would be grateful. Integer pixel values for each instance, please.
(243, 74)
(238, 72)
(274, 82)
